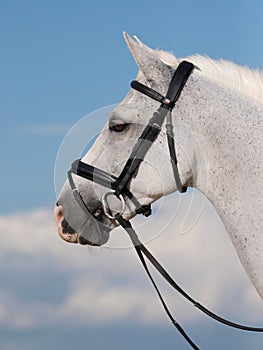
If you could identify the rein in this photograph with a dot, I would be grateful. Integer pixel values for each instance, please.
(119, 187)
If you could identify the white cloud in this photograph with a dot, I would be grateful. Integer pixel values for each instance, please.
(105, 285)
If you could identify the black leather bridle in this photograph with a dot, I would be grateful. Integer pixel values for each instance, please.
(119, 186)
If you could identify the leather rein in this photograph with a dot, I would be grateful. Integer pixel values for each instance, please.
(119, 187)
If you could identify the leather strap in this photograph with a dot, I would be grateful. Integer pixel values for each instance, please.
(103, 178)
(175, 88)
(146, 90)
(140, 149)
(141, 249)
(178, 81)
(172, 152)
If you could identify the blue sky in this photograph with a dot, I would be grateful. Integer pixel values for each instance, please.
(61, 60)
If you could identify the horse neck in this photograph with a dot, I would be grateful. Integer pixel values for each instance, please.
(228, 165)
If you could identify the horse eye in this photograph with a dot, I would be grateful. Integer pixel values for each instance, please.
(118, 127)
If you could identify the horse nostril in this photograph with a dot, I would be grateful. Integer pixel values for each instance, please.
(65, 231)
(66, 228)
(59, 213)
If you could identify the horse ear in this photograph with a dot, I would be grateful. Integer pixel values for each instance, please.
(148, 60)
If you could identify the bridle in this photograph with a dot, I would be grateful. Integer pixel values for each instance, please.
(119, 186)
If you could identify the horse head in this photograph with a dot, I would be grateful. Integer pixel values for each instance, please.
(153, 179)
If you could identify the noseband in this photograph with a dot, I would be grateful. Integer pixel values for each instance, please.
(119, 186)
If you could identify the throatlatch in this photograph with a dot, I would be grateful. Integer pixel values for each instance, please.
(119, 186)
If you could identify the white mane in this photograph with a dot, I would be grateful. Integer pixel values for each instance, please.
(240, 78)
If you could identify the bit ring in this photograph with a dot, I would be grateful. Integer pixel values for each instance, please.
(105, 204)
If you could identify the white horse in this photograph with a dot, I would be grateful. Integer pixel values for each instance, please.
(218, 125)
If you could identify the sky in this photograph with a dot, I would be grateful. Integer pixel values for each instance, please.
(61, 60)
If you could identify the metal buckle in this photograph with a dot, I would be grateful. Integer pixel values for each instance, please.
(106, 207)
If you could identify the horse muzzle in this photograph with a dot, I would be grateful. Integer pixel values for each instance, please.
(90, 232)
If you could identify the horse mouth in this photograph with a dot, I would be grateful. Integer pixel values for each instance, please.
(69, 234)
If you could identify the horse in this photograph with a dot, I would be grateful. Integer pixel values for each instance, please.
(218, 129)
